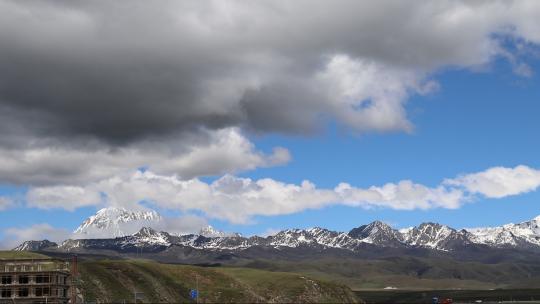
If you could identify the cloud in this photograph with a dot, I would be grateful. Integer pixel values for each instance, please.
(6, 202)
(238, 200)
(179, 225)
(110, 81)
(499, 182)
(15, 236)
(66, 197)
(404, 195)
(210, 153)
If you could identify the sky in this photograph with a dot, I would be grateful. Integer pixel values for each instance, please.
(259, 116)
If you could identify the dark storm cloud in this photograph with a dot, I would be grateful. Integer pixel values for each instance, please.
(99, 77)
(125, 70)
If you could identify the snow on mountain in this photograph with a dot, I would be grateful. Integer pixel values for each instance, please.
(333, 239)
(435, 236)
(116, 222)
(378, 233)
(509, 235)
(150, 236)
(120, 229)
(34, 245)
(212, 232)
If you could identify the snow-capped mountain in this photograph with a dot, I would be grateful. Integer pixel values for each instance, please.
(35, 245)
(212, 232)
(433, 236)
(509, 235)
(378, 233)
(116, 222)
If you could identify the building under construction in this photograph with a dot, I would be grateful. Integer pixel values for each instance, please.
(33, 281)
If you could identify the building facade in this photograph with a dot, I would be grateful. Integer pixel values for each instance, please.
(34, 281)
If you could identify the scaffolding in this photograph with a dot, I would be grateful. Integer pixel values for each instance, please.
(35, 281)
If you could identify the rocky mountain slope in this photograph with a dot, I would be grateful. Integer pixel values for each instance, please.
(433, 236)
(35, 245)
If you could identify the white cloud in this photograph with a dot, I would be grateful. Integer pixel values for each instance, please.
(238, 200)
(65, 197)
(214, 153)
(15, 236)
(219, 67)
(179, 225)
(6, 202)
(404, 195)
(499, 182)
(184, 224)
(368, 95)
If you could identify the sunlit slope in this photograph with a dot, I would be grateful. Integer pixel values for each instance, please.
(117, 280)
(21, 255)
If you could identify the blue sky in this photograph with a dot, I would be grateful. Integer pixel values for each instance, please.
(476, 120)
(393, 111)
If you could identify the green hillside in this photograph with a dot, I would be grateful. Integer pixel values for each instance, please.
(411, 273)
(117, 280)
(21, 255)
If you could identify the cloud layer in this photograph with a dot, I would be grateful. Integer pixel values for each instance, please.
(181, 225)
(238, 200)
(90, 91)
(499, 182)
(134, 69)
(5, 203)
(112, 81)
(12, 237)
(210, 153)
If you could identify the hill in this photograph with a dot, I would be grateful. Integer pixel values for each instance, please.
(410, 273)
(8, 254)
(117, 280)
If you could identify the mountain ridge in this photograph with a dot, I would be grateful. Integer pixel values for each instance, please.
(429, 235)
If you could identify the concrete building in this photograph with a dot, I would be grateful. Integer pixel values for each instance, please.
(33, 281)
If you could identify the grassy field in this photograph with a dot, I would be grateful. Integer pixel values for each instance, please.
(21, 255)
(310, 281)
(117, 280)
(458, 296)
(409, 273)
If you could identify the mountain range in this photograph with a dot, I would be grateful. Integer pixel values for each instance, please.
(117, 224)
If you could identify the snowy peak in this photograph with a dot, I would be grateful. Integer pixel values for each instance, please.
(116, 222)
(117, 228)
(292, 238)
(35, 245)
(524, 234)
(211, 232)
(146, 232)
(435, 236)
(377, 233)
(150, 236)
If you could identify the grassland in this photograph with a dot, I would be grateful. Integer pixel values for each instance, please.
(411, 273)
(331, 280)
(458, 296)
(117, 280)
(21, 255)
